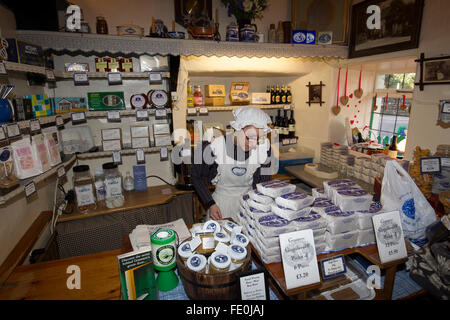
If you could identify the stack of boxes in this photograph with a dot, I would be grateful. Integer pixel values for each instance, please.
(214, 95)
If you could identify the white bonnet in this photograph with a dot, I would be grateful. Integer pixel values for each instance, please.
(250, 116)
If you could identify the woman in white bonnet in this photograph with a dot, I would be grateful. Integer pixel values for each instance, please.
(237, 160)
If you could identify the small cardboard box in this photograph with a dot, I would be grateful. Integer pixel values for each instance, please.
(214, 101)
(214, 90)
(261, 98)
(100, 101)
(239, 93)
(24, 52)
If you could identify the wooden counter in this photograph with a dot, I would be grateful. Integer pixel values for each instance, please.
(153, 196)
(48, 280)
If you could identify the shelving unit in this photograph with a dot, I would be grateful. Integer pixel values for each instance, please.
(104, 75)
(231, 108)
(123, 152)
(37, 180)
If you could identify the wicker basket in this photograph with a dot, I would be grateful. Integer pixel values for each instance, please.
(444, 197)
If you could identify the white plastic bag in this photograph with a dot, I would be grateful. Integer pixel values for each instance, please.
(399, 192)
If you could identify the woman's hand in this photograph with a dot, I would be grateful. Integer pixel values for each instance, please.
(214, 212)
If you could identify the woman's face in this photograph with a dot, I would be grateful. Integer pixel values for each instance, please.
(250, 137)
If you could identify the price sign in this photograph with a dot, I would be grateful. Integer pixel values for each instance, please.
(50, 75)
(203, 110)
(333, 267)
(80, 78)
(59, 121)
(61, 172)
(430, 165)
(140, 156)
(253, 285)
(78, 117)
(13, 130)
(389, 235)
(117, 157)
(287, 107)
(174, 96)
(141, 115)
(114, 78)
(35, 125)
(160, 114)
(2, 134)
(163, 153)
(155, 77)
(113, 116)
(30, 189)
(191, 111)
(445, 162)
(3, 70)
(298, 254)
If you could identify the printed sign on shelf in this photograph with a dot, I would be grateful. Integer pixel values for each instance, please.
(389, 236)
(298, 254)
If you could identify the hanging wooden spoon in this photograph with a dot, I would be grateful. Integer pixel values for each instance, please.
(359, 92)
(344, 99)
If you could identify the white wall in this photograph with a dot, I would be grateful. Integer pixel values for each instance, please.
(434, 42)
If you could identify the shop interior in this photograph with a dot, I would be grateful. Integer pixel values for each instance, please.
(121, 95)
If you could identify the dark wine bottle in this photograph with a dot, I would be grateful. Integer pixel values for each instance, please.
(292, 125)
(393, 150)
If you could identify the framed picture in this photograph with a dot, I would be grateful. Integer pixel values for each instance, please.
(315, 93)
(400, 22)
(435, 70)
(186, 8)
(322, 16)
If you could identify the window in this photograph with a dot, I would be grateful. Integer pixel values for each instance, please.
(390, 119)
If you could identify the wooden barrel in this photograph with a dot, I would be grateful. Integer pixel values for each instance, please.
(220, 286)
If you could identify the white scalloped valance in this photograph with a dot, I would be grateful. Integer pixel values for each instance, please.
(94, 44)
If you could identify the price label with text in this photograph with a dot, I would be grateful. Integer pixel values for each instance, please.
(140, 156)
(114, 78)
(141, 115)
(298, 254)
(117, 157)
(61, 172)
(78, 117)
(389, 235)
(160, 114)
(113, 115)
(80, 78)
(13, 130)
(191, 111)
(445, 162)
(50, 75)
(30, 189)
(430, 165)
(333, 267)
(59, 121)
(163, 153)
(155, 77)
(253, 285)
(35, 125)
(203, 110)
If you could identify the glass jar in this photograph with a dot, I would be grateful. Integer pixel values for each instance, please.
(113, 186)
(99, 181)
(198, 96)
(102, 26)
(84, 188)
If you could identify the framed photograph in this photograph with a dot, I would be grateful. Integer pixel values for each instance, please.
(433, 71)
(400, 22)
(322, 16)
(315, 93)
(186, 8)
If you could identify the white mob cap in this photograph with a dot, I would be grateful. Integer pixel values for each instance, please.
(250, 116)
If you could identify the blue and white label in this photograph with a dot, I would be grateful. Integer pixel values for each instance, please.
(239, 171)
(273, 221)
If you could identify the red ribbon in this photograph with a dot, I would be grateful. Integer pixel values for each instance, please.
(387, 101)
(404, 100)
(346, 75)
(359, 85)
(337, 96)
(375, 101)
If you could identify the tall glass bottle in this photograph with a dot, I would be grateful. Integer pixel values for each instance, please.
(277, 95)
(190, 97)
(272, 95)
(292, 125)
(283, 95)
(392, 152)
(288, 95)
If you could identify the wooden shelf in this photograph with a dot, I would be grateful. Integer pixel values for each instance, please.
(124, 152)
(133, 200)
(37, 180)
(104, 75)
(231, 108)
(20, 67)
